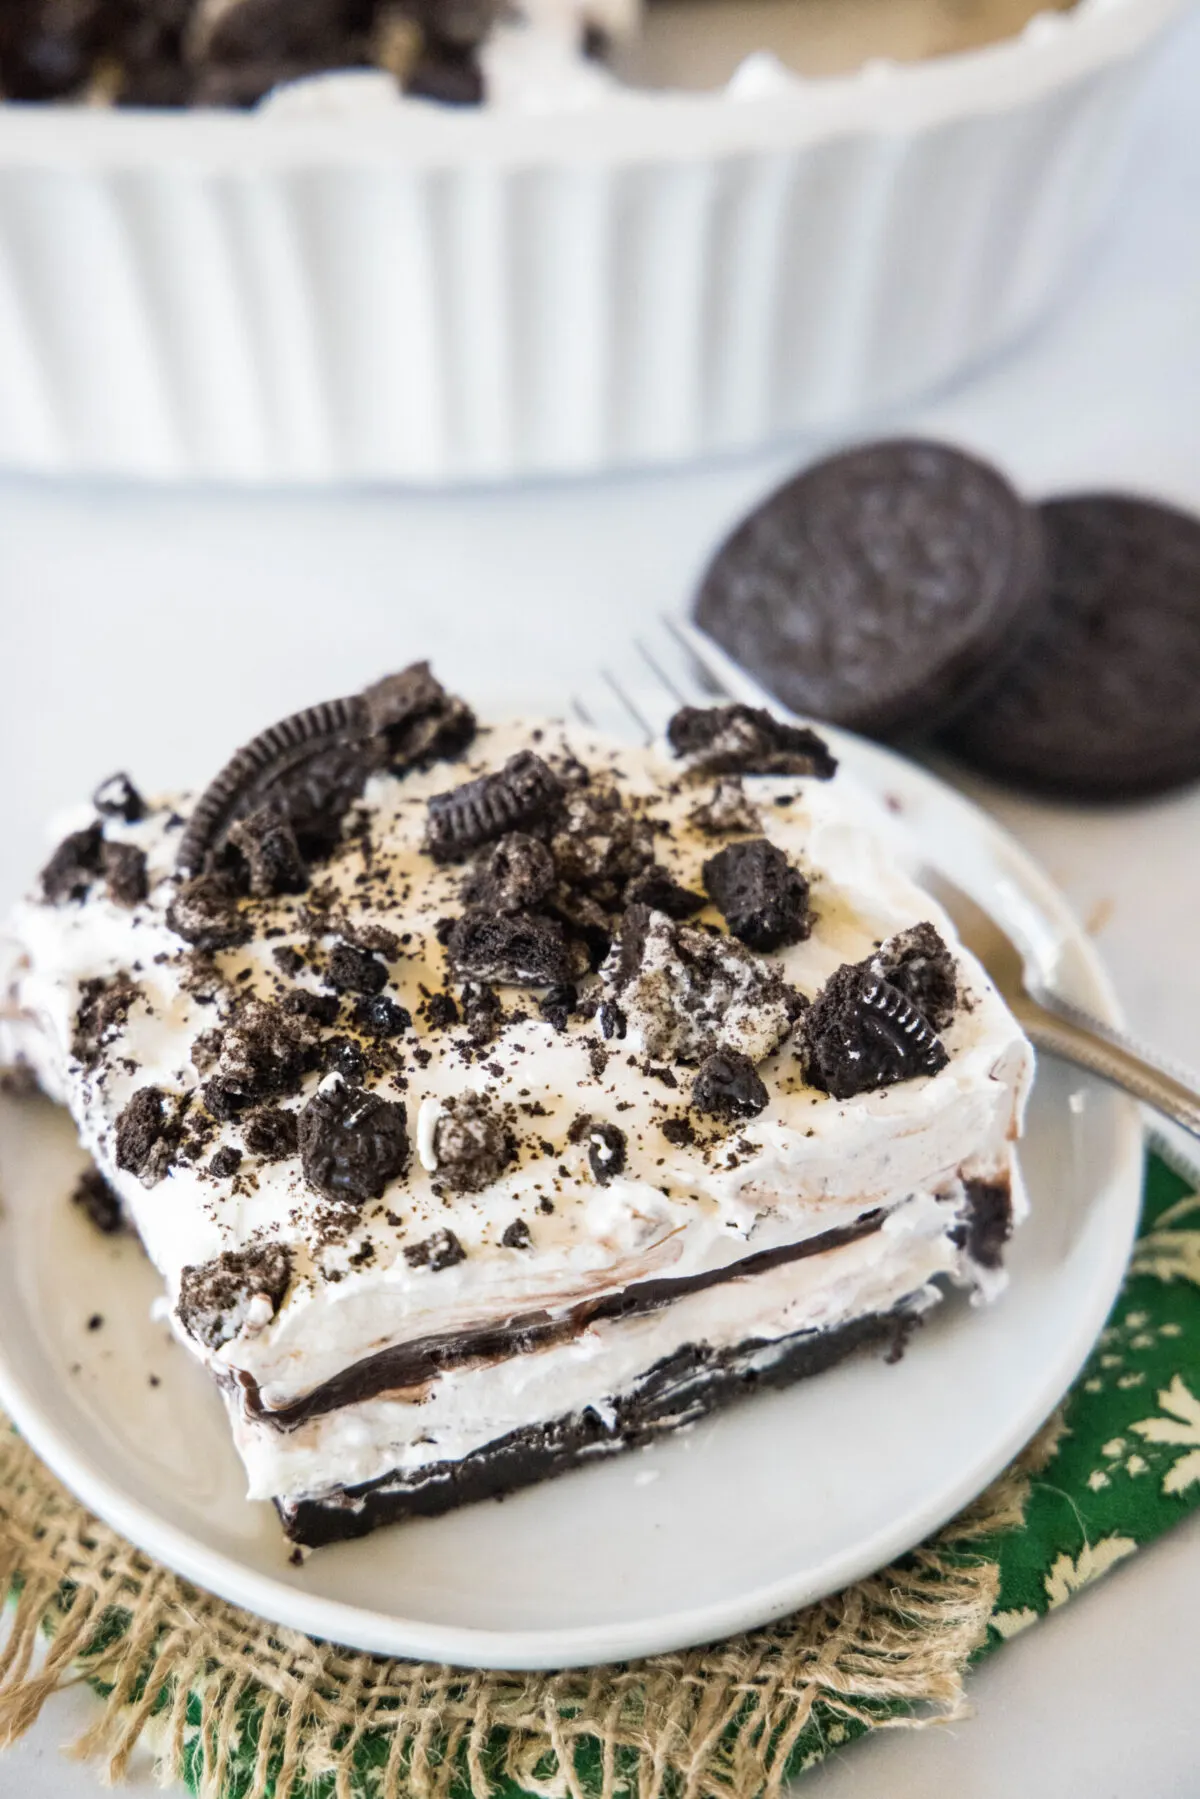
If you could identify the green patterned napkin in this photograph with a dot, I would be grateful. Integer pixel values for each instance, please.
(241, 1710)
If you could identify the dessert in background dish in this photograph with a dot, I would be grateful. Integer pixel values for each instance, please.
(492, 1098)
(353, 56)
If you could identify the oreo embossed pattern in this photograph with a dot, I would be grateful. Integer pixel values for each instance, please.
(906, 590)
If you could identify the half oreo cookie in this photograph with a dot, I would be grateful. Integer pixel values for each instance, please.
(1103, 701)
(880, 588)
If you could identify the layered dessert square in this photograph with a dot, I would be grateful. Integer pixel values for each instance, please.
(495, 1097)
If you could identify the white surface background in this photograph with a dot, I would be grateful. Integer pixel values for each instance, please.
(155, 630)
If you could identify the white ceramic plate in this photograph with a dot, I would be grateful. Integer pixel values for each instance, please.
(732, 1523)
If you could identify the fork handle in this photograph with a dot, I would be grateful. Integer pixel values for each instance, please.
(1062, 1030)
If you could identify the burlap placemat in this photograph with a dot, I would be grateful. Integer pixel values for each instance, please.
(242, 1710)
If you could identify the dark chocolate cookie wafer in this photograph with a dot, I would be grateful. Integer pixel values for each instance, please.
(879, 588)
(1104, 700)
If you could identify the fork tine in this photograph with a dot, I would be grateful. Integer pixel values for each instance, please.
(623, 699)
(702, 672)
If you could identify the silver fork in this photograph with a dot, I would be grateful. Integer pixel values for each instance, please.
(668, 667)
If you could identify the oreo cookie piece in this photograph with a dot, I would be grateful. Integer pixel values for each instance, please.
(663, 893)
(119, 798)
(74, 865)
(204, 912)
(607, 1151)
(727, 1086)
(125, 873)
(861, 1033)
(442, 1250)
(267, 843)
(688, 992)
(525, 950)
(146, 1136)
(272, 1133)
(516, 877)
(918, 962)
(472, 1145)
(264, 1051)
(747, 740)
(218, 1299)
(98, 1203)
(881, 588)
(352, 1143)
(762, 898)
(479, 811)
(354, 970)
(1102, 702)
(310, 768)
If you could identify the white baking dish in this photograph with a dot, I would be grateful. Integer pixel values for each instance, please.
(431, 296)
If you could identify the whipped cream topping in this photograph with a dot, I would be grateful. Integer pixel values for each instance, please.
(805, 1164)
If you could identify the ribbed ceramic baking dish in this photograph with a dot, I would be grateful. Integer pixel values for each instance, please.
(428, 296)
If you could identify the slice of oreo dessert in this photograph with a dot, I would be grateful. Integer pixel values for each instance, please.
(491, 1099)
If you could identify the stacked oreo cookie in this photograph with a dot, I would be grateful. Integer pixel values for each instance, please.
(904, 589)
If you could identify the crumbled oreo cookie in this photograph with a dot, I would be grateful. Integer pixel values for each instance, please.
(611, 1019)
(238, 1291)
(688, 992)
(417, 721)
(322, 1008)
(440, 1011)
(726, 811)
(861, 1033)
(517, 1235)
(341, 1055)
(918, 962)
(607, 1151)
(267, 844)
(482, 1011)
(517, 876)
(104, 1005)
(204, 912)
(272, 1133)
(452, 76)
(727, 1086)
(465, 818)
(442, 1250)
(119, 798)
(599, 845)
(380, 1016)
(125, 873)
(680, 1132)
(367, 934)
(265, 1052)
(762, 898)
(146, 1136)
(986, 1223)
(225, 1162)
(98, 1203)
(74, 865)
(522, 951)
(655, 888)
(352, 1143)
(557, 1005)
(747, 740)
(353, 970)
(472, 1144)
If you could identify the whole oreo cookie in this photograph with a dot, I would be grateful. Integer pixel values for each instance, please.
(880, 588)
(1104, 700)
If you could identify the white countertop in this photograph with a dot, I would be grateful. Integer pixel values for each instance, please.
(153, 630)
